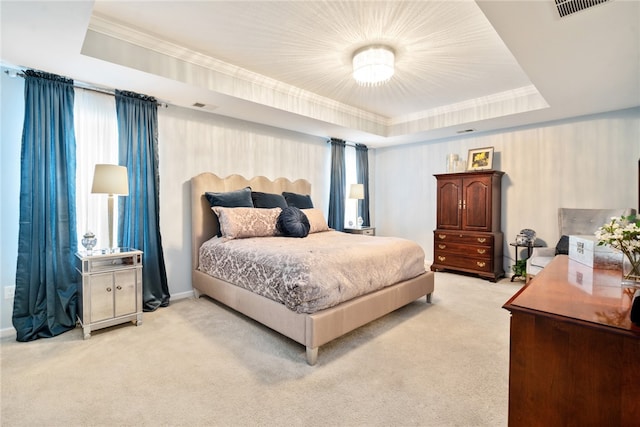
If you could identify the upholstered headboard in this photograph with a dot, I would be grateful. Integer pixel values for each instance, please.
(204, 224)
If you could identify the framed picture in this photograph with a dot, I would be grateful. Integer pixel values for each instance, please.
(480, 159)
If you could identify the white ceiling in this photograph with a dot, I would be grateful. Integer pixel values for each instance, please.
(460, 64)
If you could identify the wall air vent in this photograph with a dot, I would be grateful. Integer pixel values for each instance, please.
(567, 7)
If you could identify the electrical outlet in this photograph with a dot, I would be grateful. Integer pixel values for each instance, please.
(9, 292)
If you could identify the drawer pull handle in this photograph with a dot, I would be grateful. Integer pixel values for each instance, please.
(442, 258)
(119, 287)
(108, 289)
(442, 246)
(442, 236)
(481, 264)
(482, 251)
(482, 239)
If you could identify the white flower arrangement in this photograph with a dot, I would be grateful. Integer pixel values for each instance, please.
(623, 233)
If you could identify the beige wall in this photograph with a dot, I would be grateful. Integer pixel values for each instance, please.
(192, 142)
(585, 162)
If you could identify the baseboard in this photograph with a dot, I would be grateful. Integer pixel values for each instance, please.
(8, 332)
(182, 295)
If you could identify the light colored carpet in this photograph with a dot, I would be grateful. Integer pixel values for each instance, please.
(197, 363)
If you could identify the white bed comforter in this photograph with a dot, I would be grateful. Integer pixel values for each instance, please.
(315, 272)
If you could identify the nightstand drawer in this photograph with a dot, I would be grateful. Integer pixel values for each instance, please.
(368, 231)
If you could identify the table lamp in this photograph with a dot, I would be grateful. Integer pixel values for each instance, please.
(111, 180)
(357, 192)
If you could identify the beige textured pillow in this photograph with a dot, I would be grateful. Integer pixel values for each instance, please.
(316, 220)
(240, 223)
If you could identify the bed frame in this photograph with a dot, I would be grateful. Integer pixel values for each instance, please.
(310, 330)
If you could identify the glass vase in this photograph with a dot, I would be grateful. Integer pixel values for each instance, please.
(631, 269)
(89, 241)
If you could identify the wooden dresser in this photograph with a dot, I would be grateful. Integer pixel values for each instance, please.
(575, 355)
(468, 236)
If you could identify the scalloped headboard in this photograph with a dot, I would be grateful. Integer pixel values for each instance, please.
(204, 224)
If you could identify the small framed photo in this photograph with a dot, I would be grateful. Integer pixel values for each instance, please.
(480, 159)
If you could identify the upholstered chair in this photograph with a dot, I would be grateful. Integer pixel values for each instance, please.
(571, 222)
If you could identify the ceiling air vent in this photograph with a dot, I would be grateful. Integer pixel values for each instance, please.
(567, 7)
(206, 107)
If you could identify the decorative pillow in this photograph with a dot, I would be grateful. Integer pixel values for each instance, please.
(317, 222)
(300, 201)
(292, 222)
(240, 223)
(231, 199)
(268, 200)
(562, 248)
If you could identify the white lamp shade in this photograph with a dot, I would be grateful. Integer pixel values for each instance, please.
(356, 191)
(110, 179)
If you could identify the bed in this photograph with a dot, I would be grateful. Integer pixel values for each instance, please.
(309, 329)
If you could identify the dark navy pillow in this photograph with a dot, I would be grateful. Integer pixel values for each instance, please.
(301, 201)
(562, 248)
(268, 200)
(231, 199)
(292, 222)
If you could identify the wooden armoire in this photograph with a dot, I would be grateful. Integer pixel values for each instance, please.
(468, 236)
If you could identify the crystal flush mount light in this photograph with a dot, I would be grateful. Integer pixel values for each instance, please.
(373, 65)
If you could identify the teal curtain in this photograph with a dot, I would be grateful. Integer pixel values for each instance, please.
(362, 174)
(139, 212)
(337, 186)
(45, 301)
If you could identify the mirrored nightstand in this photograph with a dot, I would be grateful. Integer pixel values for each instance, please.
(110, 290)
(369, 231)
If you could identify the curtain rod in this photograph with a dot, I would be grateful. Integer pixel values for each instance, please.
(351, 144)
(80, 85)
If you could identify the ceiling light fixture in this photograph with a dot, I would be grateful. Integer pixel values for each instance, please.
(373, 65)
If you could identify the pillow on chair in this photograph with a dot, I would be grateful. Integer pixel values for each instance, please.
(562, 248)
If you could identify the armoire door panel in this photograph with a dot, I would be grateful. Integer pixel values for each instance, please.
(449, 210)
(476, 214)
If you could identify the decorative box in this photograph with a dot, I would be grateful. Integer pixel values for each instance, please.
(585, 250)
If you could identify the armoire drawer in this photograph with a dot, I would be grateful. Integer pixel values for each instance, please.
(480, 251)
(463, 238)
(454, 260)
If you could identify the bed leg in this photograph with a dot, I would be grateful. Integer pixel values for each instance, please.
(196, 293)
(429, 298)
(312, 355)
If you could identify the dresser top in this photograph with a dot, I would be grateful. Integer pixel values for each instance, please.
(570, 291)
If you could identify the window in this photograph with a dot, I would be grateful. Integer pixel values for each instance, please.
(350, 205)
(96, 142)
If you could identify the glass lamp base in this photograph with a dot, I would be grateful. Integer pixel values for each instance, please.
(89, 241)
